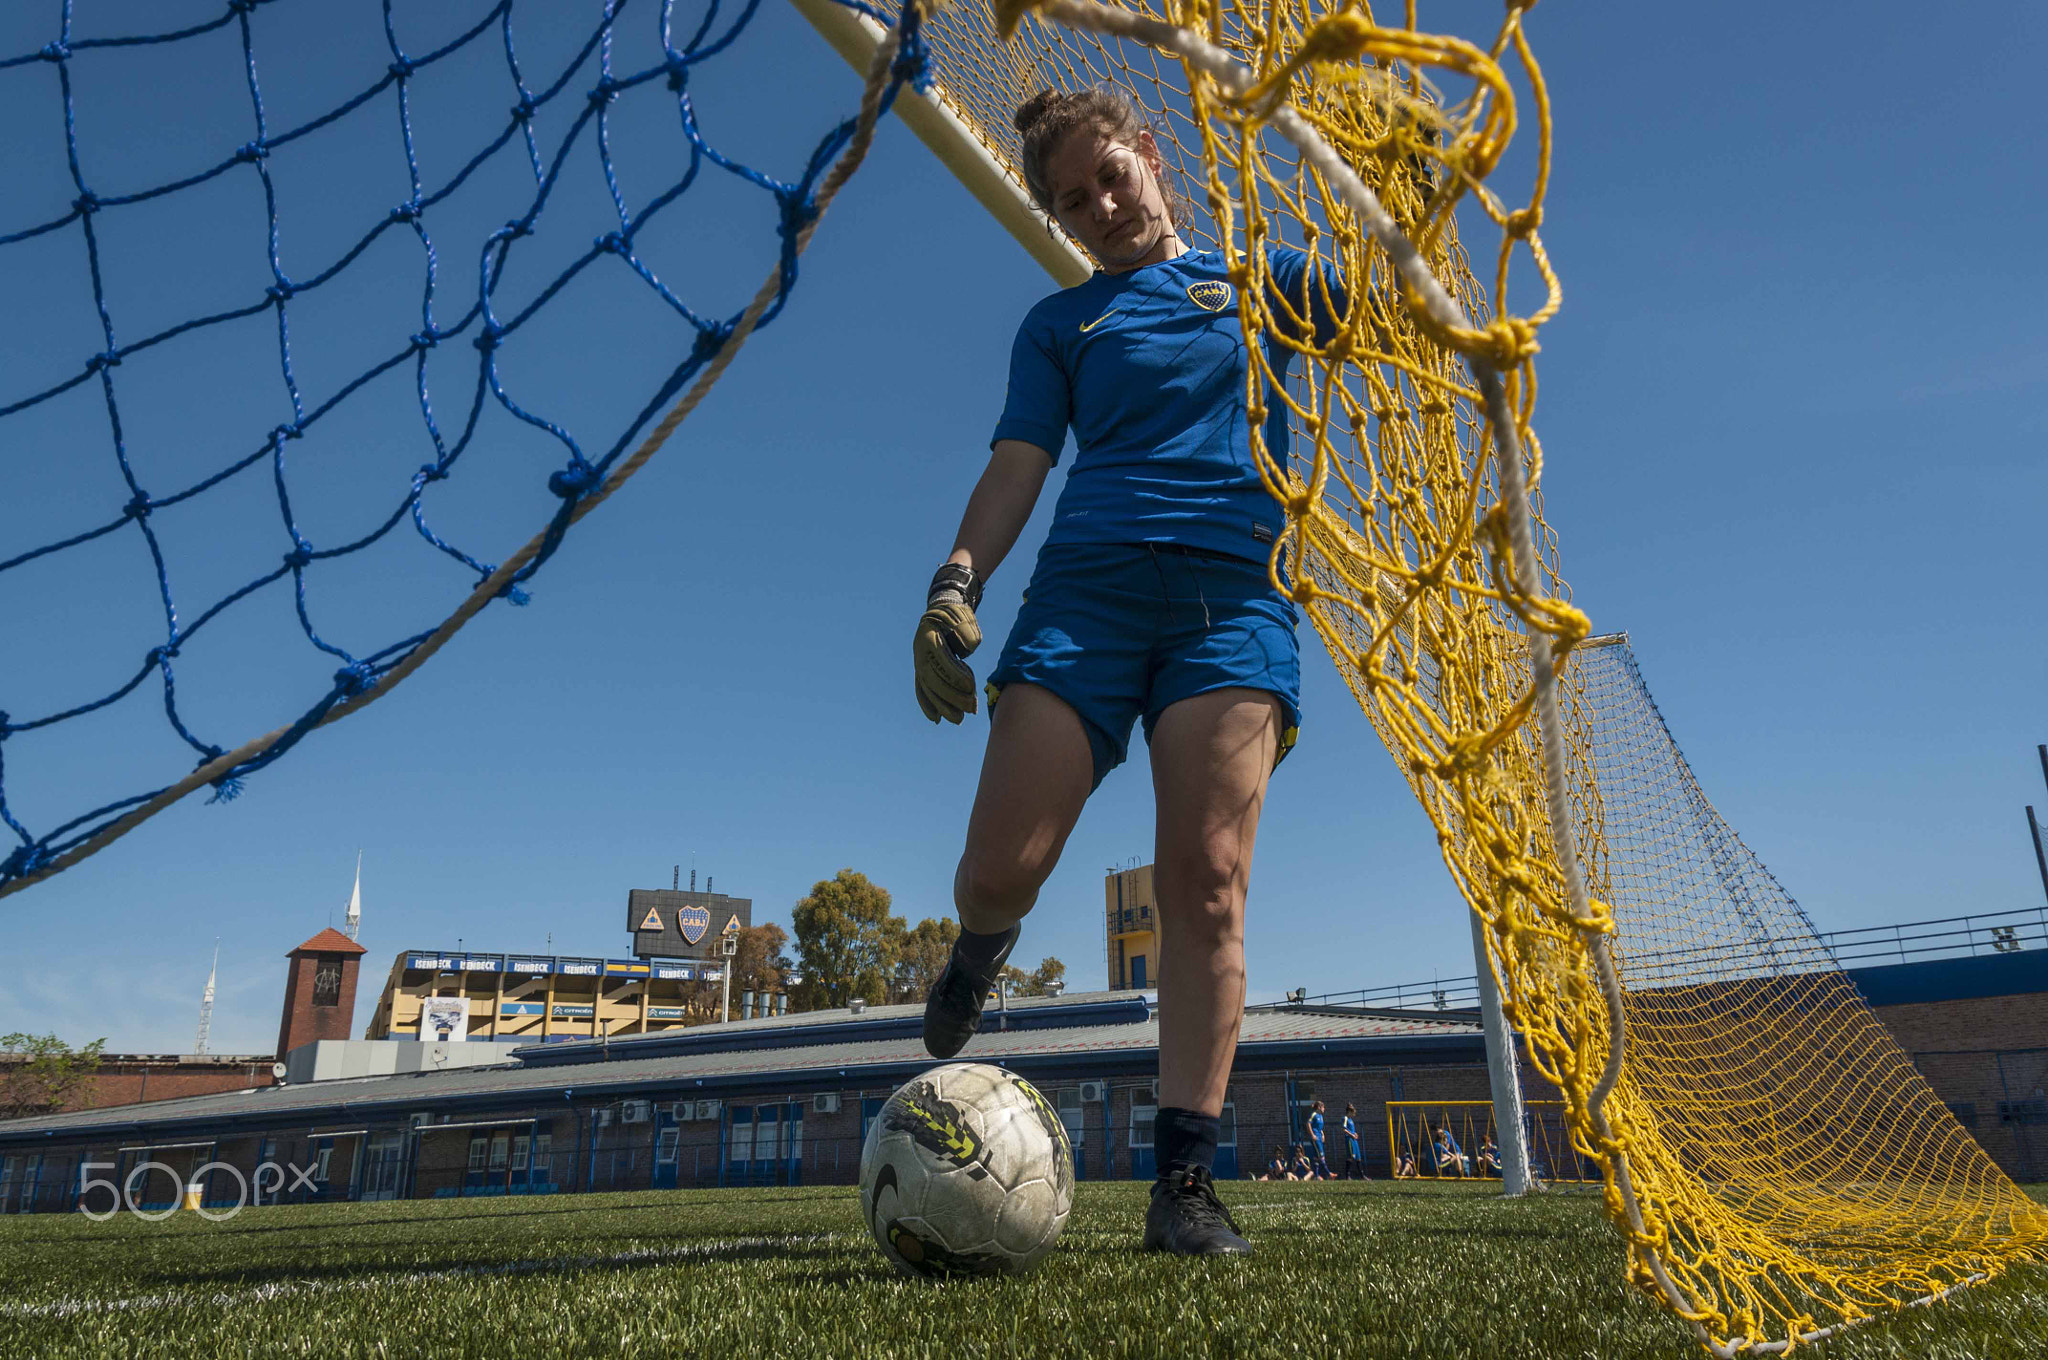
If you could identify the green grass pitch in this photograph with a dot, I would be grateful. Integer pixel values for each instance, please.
(1342, 1270)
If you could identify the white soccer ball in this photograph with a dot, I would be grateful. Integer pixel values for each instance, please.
(966, 1171)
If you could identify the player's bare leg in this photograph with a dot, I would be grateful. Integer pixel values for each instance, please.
(1211, 757)
(1035, 778)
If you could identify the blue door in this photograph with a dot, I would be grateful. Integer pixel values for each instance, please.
(667, 1137)
(1138, 971)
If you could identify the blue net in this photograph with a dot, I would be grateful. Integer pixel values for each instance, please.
(447, 282)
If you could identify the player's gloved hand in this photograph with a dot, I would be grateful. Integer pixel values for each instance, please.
(946, 634)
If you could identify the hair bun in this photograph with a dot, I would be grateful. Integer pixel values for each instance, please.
(1035, 108)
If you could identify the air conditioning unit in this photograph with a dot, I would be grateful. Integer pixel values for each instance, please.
(602, 1118)
(674, 1109)
(419, 1119)
(635, 1111)
(707, 1109)
(826, 1102)
(1093, 1091)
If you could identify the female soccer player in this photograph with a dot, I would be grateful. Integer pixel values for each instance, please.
(1150, 602)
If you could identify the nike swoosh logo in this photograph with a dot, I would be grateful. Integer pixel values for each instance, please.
(1091, 325)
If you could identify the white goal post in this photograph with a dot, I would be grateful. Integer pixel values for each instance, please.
(854, 36)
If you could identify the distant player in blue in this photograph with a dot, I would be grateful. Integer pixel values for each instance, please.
(1150, 604)
(1354, 1165)
(1450, 1159)
(1321, 1162)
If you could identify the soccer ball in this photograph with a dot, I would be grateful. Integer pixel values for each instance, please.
(966, 1171)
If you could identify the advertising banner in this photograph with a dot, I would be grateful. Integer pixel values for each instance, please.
(444, 1020)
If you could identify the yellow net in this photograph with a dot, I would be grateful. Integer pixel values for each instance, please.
(1778, 1167)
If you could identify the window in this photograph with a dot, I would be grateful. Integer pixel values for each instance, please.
(543, 1157)
(1141, 1125)
(1068, 1101)
(320, 1161)
(327, 982)
(501, 1149)
(740, 1145)
(794, 1143)
(522, 1150)
(1227, 1126)
(479, 1145)
(665, 1147)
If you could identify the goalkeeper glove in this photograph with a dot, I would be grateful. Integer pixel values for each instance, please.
(945, 634)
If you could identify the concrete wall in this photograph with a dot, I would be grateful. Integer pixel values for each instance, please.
(331, 1059)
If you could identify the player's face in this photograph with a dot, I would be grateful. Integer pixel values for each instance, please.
(1106, 194)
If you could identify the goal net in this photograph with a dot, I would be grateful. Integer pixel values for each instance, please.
(1776, 1163)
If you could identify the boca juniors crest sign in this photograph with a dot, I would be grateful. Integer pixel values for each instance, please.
(692, 922)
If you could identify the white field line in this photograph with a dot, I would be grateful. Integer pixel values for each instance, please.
(279, 1289)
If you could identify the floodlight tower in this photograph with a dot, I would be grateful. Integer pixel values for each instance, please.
(353, 922)
(206, 1003)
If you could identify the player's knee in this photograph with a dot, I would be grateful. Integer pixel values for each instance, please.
(996, 887)
(1206, 890)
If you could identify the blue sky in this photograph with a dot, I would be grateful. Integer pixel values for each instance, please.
(1792, 410)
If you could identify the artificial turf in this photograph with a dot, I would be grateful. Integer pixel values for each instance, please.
(1341, 1270)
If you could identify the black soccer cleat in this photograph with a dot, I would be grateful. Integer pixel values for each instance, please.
(1187, 1219)
(952, 1011)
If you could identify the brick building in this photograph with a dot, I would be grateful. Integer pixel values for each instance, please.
(786, 1099)
(319, 990)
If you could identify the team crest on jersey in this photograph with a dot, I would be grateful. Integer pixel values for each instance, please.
(1211, 295)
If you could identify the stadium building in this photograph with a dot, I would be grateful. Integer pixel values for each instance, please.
(673, 979)
(786, 1099)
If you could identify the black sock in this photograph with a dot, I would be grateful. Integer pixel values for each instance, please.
(983, 955)
(1182, 1138)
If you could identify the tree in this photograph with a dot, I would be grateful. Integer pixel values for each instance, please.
(41, 1074)
(759, 966)
(925, 951)
(1049, 971)
(847, 943)
(1034, 983)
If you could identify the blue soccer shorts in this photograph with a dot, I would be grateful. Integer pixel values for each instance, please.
(1123, 631)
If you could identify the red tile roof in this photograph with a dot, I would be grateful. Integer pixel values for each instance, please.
(329, 941)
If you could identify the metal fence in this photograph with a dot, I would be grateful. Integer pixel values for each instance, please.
(1999, 932)
(1979, 934)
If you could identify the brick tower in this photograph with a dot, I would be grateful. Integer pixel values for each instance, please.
(319, 991)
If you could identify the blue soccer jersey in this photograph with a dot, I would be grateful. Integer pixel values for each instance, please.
(1351, 1134)
(1315, 1130)
(1147, 368)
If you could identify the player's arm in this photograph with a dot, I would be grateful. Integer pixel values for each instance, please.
(1000, 506)
(948, 632)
